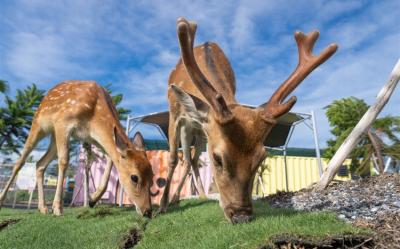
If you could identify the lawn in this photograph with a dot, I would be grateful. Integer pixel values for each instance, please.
(191, 224)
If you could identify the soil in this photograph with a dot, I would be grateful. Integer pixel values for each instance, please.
(131, 239)
(372, 202)
(295, 242)
(386, 231)
(7, 223)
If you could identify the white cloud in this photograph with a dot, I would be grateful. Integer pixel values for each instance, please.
(41, 58)
(133, 44)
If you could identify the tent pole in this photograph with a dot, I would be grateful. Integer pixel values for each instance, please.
(286, 169)
(317, 151)
(121, 192)
(387, 164)
(285, 156)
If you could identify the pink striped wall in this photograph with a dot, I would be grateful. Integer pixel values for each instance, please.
(159, 161)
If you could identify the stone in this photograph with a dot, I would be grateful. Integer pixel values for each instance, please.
(366, 198)
(374, 209)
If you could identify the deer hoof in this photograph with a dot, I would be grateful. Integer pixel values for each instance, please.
(92, 203)
(44, 210)
(175, 200)
(57, 211)
(162, 210)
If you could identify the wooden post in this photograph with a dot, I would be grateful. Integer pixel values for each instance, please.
(363, 125)
(377, 148)
(15, 198)
(31, 191)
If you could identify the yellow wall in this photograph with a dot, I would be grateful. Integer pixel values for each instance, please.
(302, 172)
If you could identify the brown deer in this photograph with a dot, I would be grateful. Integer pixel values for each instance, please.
(201, 97)
(84, 110)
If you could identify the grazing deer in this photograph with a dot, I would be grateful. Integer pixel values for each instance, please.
(84, 110)
(201, 96)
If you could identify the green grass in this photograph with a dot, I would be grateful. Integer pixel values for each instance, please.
(192, 224)
(46, 231)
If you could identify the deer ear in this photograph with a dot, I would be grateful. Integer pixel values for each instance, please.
(122, 146)
(138, 141)
(194, 107)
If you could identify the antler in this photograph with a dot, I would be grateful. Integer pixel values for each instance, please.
(307, 63)
(186, 32)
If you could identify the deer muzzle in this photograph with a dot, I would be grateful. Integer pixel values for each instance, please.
(238, 215)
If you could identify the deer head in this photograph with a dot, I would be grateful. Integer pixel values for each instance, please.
(135, 171)
(235, 132)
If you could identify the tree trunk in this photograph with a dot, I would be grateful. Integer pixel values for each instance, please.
(101, 189)
(86, 194)
(378, 150)
(363, 125)
(86, 191)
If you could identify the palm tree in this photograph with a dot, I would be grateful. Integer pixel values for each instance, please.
(393, 150)
(343, 116)
(16, 117)
(3, 86)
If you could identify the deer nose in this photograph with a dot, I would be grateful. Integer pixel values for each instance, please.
(147, 213)
(241, 218)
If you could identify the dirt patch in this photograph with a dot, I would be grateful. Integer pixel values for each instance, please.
(295, 242)
(386, 229)
(130, 239)
(8, 222)
(372, 202)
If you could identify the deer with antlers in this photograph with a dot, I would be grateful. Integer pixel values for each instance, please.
(84, 110)
(201, 97)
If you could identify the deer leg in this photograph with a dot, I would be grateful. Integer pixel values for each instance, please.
(177, 194)
(101, 189)
(195, 167)
(41, 166)
(62, 140)
(35, 135)
(186, 139)
(173, 132)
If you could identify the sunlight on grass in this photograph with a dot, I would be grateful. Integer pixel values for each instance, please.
(200, 224)
(46, 231)
(191, 224)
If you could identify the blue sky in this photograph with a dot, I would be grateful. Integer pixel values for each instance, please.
(133, 45)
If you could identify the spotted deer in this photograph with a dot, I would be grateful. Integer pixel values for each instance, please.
(84, 110)
(202, 100)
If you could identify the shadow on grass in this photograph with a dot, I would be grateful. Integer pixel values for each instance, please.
(183, 205)
(263, 210)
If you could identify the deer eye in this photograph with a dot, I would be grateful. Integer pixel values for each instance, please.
(135, 178)
(217, 160)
